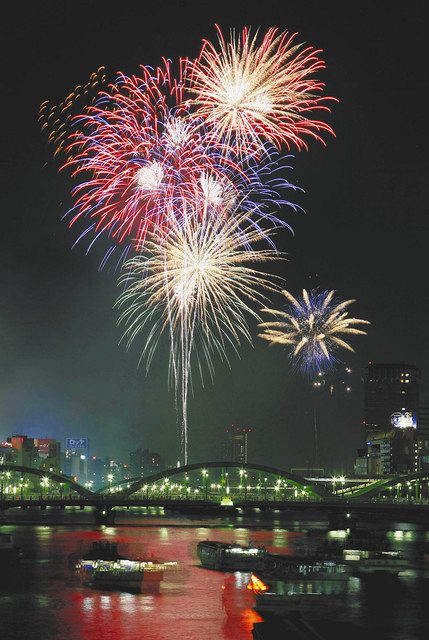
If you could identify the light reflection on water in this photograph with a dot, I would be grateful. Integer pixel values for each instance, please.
(48, 601)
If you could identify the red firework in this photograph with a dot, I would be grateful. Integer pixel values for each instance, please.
(141, 156)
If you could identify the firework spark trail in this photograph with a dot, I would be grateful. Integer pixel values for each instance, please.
(197, 283)
(249, 91)
(55, 119)
(312, 325)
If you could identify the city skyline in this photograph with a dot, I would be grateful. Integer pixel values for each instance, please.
(62, 368)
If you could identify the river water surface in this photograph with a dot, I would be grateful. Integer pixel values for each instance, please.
(46, 600)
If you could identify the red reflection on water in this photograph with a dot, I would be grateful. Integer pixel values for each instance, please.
(190, 604)
(237, 603)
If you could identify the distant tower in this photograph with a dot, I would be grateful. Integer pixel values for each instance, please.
(391, 414)
(235, 445)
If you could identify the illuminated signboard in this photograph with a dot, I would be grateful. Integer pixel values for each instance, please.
(77, 444)
(403, 420)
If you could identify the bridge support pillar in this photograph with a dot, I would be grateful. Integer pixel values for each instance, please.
(104, 515)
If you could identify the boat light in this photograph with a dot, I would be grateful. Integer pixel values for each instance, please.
(256, 585)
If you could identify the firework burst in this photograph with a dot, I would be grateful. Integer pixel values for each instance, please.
(187, 171)
(197, 284)
(139, 157)
(312, 326)
(250, 90)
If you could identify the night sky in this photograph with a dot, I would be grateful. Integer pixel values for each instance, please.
(364, 232)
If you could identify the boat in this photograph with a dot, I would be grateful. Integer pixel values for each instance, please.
(274, 596)
(103, 568)
(281, 567)
(233, 557)
(229, 557)
(375, 561)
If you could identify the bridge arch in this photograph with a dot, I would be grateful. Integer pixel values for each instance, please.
(133, 485)
(400, 484)
(43, 473)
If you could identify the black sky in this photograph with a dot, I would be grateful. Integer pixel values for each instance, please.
(364, 233)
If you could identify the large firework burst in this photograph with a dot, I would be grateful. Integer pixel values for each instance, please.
(197, 284)
(252, 90)
(312, 325)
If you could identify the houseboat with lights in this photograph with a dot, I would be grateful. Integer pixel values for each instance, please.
(274, 596)
(234, 557)
(104, 568)
(309, 567)
(364, 561)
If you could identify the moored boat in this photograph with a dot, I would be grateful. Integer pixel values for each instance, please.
(285, 596)
(280, 567)
(364, 561)
(103, 568)
(229, 557)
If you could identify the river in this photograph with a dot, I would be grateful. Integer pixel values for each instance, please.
(45, 599)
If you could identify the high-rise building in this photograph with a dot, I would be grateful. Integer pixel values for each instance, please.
(235, 445)
(422, 436)
(423, 419)
(391, 397)
(391, 417)
(75, 459)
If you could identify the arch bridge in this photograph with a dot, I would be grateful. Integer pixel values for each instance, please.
(21, 482)
(399, 488)
(220, 480)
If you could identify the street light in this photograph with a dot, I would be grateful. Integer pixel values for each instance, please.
(241, 473)
(205, 474)
(43, 483)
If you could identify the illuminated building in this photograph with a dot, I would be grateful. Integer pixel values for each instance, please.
(391, 412)
(6, 453)
(49, 453)
(422, 438)
(24, 450)
(235, 445)
(423, 419)
(361, 463)
(75, 461)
